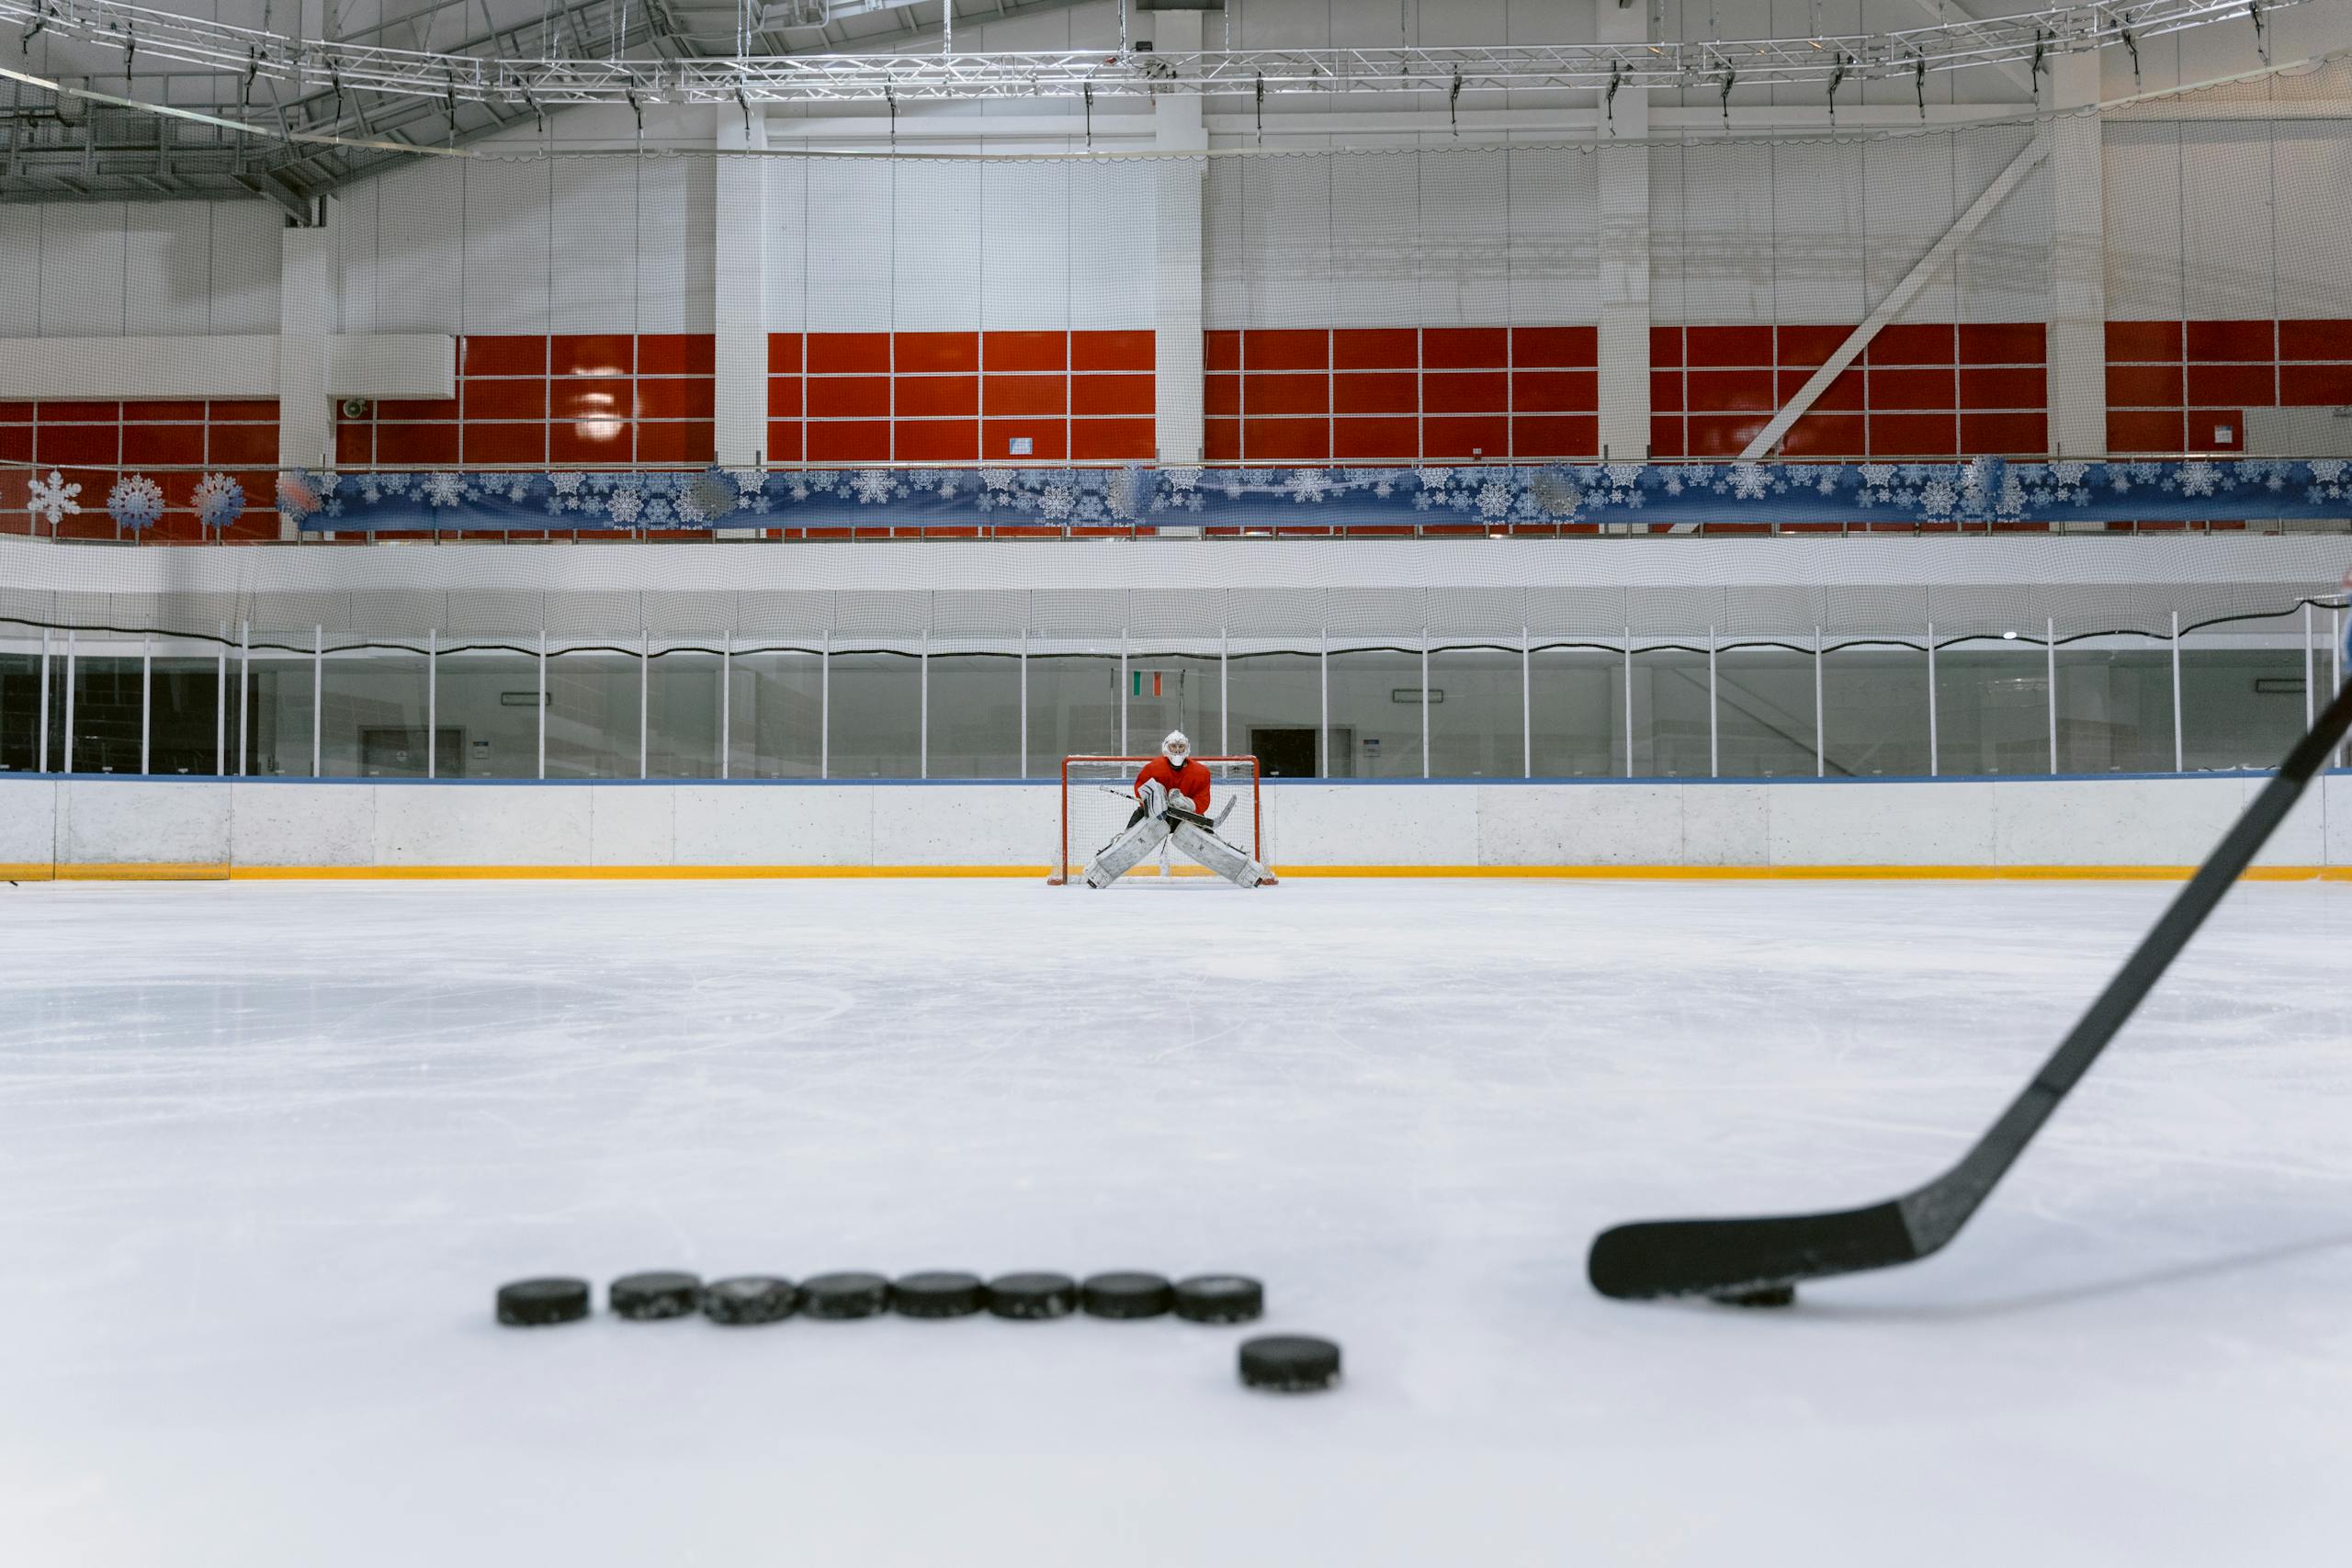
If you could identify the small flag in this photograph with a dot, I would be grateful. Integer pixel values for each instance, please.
(1145, 683)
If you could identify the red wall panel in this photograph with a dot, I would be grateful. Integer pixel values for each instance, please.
(1376, 348)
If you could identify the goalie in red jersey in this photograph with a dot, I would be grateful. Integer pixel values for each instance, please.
(1172, 805)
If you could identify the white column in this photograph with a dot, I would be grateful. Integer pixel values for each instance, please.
(221, 704)
(1425, 702)
(739, 263)
(1934, 756)
(1025, 702)
(644, 698)
(1323, 686)
(1624, 213)
(543, 702)
(1122, 690)
(1629, 701)
(244, 695)
(40, 709)
(1714, 735)
(825, 707)
(1177, 283)
(147, 701)
(2049, 679)
(69, 691)
(307, 313)
(2311, 678)
(726, 699)
(1526, 709)
(922, 707)
(1224, 695)
(1820, 718)
(2077, 352)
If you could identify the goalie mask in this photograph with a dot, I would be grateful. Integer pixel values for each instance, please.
(1176, 749)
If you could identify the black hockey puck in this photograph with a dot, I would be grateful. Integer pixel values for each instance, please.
(1220, 1298)
(1289, 1363)
(1127, 1296)
(939, 1295)
(750, 1298)
(643, 1297)
(533, 1304)
(838, 1296)
(1033, 1297)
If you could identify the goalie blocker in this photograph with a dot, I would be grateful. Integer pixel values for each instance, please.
(1172, 792)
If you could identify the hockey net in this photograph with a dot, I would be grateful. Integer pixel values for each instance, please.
(1098, 798)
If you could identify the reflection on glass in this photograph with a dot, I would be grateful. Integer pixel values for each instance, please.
(279, 716)
(1073, 709)
(2114, 708)
(105, 712)
(1175, 691)
(1277, 716)
(489, 699)
(183, 712)
(876, 715)
(1874, 711)
(1992, 708)
(1376, 700)
(373, 723)
(19, 711)
(1764, 706)
(775, 714)
(1576, 696)
(975, 715)
(682, 740)
(1671, 714)
(593, 701)
(2241, 697)
(1475, 726)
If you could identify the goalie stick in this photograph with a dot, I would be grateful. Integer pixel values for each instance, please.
(1758, 1261)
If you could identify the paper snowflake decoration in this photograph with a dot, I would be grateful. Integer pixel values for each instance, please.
(443, 489)
(135, 502)
(52, 497)
(626, 505)
(566, 482)
(218, 500)
(872, 485)
(1308, 485)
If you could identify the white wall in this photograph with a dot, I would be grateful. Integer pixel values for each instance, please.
(145, 268)
(76, 826)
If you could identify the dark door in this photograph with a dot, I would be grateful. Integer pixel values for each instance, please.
(1283, 754)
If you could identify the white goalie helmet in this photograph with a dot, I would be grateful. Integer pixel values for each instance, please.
(1175, 748)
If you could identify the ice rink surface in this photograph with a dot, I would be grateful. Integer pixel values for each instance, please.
(265, 1151)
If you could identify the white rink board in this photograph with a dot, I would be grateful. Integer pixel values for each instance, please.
(1309, 824)
(270, 1147)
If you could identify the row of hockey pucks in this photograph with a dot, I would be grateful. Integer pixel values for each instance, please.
(1289, 1363)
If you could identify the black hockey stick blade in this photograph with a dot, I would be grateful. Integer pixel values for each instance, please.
(1762, 1260)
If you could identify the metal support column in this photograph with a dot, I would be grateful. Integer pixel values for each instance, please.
(644, 701)
(543, 703)
(1122, 690)
(1025, 702)
(923, 705)
(726, 699)
(220, 705)
(1223, 693)
(825, 707)
(1714, 728)
(2310, 673)
(1323, 686)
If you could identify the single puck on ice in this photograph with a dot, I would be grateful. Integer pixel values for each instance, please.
(529, 1304)
(838, 1296)
(750, 1298)
(1219, 1298)
(939, 1293)
(643, 1298)
(1033, 1296)
(1289, 1363)
(1127, 1296)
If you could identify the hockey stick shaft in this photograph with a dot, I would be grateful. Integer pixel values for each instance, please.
(1937, 1211)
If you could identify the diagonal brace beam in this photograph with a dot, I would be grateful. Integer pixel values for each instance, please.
(1898, 298)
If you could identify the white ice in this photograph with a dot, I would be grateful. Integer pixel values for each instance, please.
(265, 1151)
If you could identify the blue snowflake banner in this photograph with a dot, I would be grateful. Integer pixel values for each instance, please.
(1983, 490)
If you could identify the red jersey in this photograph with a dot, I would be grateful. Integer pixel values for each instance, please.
(1192, 779)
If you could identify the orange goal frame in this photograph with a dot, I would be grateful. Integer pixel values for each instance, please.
(1058, 875)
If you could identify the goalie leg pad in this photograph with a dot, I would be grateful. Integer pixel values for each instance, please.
(1223, 859)
(1120, 855)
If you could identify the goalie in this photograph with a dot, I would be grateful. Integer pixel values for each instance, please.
(1172, 805)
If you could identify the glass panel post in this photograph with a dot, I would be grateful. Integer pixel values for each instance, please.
(318, 685)
(220, 705)
(68, 766)
(825, 707)
(2179, 745)
(726, 698)
(1820, 718)
(1323, 682)
(40, 709)
(432, 702)
(1935, 758)
(147, 702)
(1629, 701)
(1122, 690)
(543, 703)
(1526, 706)
(2050, 685)
(2310, 669)
(644, 702)
(923, 705)
(244, 694)
(1025, 702)
(1223, 693)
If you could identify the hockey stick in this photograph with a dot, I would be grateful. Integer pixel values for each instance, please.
(1758, 1262)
